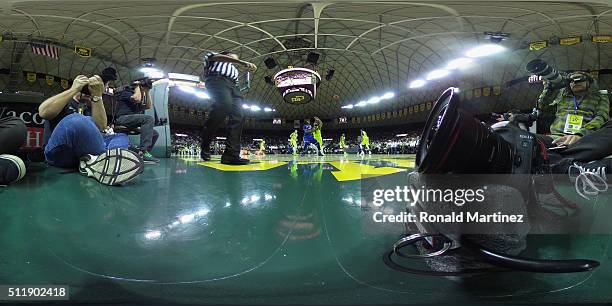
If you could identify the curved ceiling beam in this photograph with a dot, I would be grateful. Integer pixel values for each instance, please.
(88, 21)
(420, 36)
(36, 25)
(178, 12)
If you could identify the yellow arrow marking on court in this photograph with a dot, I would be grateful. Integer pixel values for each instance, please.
(349, 171)
(265, 165)
(404, 163)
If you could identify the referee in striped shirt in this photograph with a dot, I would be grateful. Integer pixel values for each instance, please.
(221, 80)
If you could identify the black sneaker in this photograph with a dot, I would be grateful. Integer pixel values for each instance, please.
(147, 158)
(12, 169)
(234, 160)
(205, 156)
(113, 167)
(590, 179)
(602, 168)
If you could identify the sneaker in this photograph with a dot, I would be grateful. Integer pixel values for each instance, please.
(590, 178)
(12, 169)
(147, 158)
(234, 160)
(113, 167)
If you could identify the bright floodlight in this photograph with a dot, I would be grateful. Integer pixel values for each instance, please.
(388, 95)
(373, 100)
(436, 74)
(255, 108)
(148, 70)
(416, 84)
(188, 89)
(460, 63)
(484, 50)
(350, 106)
(245, 106)
(361, 104)
(202, 95)
(267, 109)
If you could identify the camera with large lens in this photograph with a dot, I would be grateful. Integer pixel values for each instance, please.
(540, 68)
(142, 82)
(454, 141)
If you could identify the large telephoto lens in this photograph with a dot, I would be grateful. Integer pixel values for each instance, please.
(453, 141)
(541, 68)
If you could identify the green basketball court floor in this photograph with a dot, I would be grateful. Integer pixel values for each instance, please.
(276, 232)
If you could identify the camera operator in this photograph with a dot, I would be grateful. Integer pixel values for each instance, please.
(580, 108)
(73, 121)
(581, 129)
(133, 100)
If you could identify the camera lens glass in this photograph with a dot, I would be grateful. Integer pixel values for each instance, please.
(453, 141)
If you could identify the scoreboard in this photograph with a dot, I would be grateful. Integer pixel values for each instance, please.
(297, 85)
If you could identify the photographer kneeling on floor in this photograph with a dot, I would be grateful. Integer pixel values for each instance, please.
(73, 121)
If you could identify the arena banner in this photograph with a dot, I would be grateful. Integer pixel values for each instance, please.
(538, 45)
(601, 38)
(568, 41)
(82, 51)
(31, 77)
(50, 79)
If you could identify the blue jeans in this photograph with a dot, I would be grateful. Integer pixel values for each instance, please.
(75, 136)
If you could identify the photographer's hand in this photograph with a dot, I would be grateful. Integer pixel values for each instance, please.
(534, 79)
(96, 86)
(79, 82)
(566, 140)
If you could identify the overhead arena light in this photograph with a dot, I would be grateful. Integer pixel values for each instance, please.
(361, 104)
(267, 109)
(388, 95)
(374, 100)
(401, 135)
(436, 74)
(416, 84)
(255, 108)
(202, 95)
(460, 63)
(485, 50)
(188, 89)
(246, 106)
(182, 76)
(350, 106)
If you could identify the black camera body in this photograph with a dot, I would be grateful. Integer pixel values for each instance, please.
(454, 141)
(107, 75)
(525, 148)
(142, 82)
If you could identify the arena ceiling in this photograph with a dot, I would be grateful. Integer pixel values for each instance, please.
(373, 46)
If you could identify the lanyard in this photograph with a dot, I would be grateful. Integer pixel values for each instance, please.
(576, 104)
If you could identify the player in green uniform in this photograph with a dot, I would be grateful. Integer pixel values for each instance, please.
(293, 141)
(365, 143)
(342, 144)
(318, 124)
